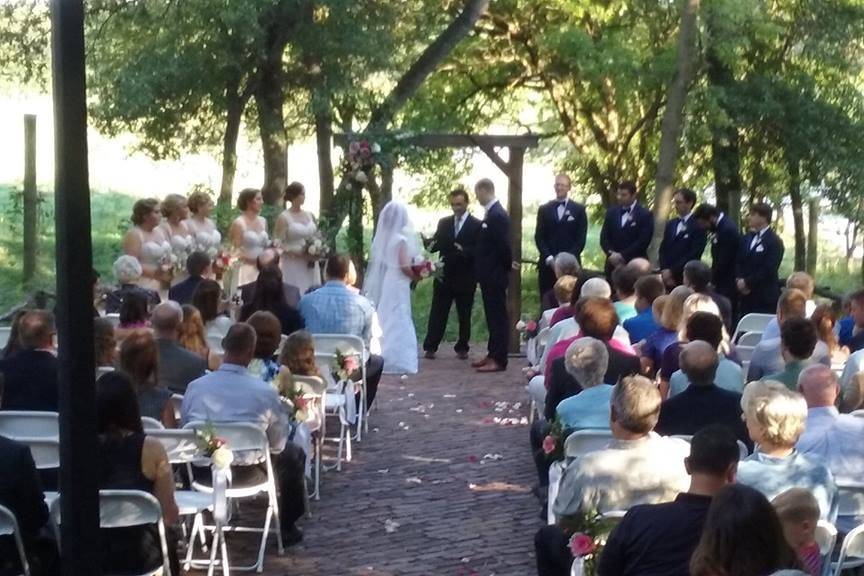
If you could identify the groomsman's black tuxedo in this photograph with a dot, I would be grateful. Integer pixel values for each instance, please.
(758, 264)
(554, 235)
(493, 260)
(458, 281)
(724, 256)
(678, 248)
(631, 240)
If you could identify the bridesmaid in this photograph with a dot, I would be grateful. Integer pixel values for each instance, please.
(175, 212)
(206, 237)
(292, 228)
(147, 242)
(248, 234)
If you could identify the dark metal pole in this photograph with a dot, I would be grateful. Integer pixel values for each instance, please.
(78, 480)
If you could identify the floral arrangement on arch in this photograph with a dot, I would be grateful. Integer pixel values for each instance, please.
(588, 534)
(213, 447)
(359, 160)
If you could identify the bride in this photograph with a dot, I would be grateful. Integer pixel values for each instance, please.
(388, 285)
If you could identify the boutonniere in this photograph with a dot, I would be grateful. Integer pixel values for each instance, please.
(570, 218)
(686, 235)
(483, 225)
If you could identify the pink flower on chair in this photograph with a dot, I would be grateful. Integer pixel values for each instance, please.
(548, 445)
(351, 364)
(581, 544)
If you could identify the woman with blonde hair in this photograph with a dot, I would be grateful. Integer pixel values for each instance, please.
(192, 336)
(175, 212)
(206, 238)
(775, 418)
(670, 319)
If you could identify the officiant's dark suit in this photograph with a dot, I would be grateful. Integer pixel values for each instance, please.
(561, 227)
(458, 282)
(493, 260)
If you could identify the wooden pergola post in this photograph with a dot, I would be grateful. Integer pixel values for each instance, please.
(512, 167)
(79, 487)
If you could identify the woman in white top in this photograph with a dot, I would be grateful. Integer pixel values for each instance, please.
(206, 238)
(147, 242)
(175, 212)
(248, 234)
(388, 285)
(293, 227)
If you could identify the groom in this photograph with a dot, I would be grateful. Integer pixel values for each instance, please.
(493, 261)
(454, 239)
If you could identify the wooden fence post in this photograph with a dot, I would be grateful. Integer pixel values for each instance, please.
(31, 203)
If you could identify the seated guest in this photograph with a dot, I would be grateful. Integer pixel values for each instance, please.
(177, 365)
(798, 511)
(830, 437)
(797, 281)
(30, 376)
(651, 352)
(21, 492)
(230, 394)
(269, 258)
(825, 320)
(563, 290)
(134, 316)
(586, 360)
(642, 325)
(298, 354)
(797, 341)
(207, 298)
(768, 355)
(128, 271)
(703, 402)
(708, 328)
(624, 281)
(139, 360)
(846, 323)
(851, 332)
(333, 309)
(697, 277)
(13, 345)
(775, 418)
(129, 460)
(270, 297)
(658, 539)
(565, 264)
(742, 536)
(637, 467)
(105, 343)
(192, 337)
(853, 394)
(197, 266)
(597, 319)
(268, 336)
(563, 322)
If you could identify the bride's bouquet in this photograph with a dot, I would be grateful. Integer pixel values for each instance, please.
(424, 267)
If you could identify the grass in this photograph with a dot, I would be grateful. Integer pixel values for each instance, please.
(110, 212)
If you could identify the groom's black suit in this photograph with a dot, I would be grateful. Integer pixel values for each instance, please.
(458, 281)
(492, 262)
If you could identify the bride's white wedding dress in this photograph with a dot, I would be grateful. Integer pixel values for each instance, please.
(390, 290)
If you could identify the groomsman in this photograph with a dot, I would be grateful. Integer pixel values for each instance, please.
(561, 227)
(683, 239)
(724, 248)
(455, 240)
(627, 229)
(493, 260)
(759, 256)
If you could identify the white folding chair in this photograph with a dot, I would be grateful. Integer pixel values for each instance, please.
(339, 402)
(176, 403)
(752, 322)
(22, 424)
(5, 333)
(542, 342)
(148, 424)
(114, 318)
(214, 342)
(826, 537)
(314, 391)
(851, 551)
(9, 527)
(580, 442)
(46, 456)
(743, 451)
(125, 509)
(850, 506)
(326, 345)
(251, 446)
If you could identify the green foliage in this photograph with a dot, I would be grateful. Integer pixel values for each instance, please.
(24, 43)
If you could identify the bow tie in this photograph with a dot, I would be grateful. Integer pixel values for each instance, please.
(626, 210)
(560, 202)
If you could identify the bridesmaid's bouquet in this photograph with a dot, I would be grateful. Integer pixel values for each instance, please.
(315, 247)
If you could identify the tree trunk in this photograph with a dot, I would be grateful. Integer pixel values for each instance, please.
(31, 202)
(324, 143)
(269, 98)
(794, 168)
(812, 236)
(725, 152)
(676, 96)
(233, 118)
(380, 195)
(355, 228)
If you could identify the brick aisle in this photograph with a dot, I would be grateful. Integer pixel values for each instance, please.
(440, 487)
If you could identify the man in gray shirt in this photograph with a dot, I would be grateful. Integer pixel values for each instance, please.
(177, 366)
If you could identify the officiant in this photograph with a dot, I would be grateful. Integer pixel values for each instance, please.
(454, 239)
(561, 227)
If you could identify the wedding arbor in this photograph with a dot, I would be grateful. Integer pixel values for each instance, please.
(512, 167)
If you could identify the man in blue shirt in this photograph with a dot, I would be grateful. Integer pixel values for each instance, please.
(335, 309)
(641, 326)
